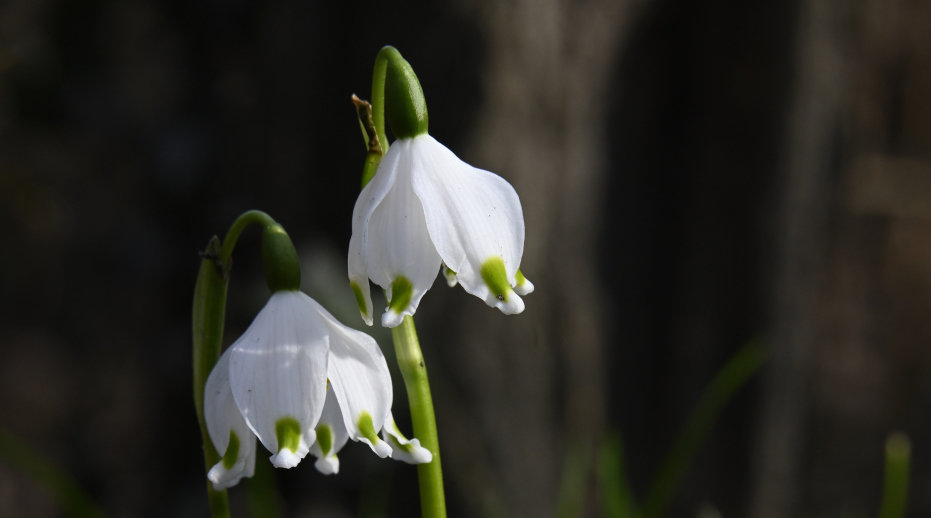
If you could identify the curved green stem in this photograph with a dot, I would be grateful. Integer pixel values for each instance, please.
(414, 372)
(208, 314)
(232, 235)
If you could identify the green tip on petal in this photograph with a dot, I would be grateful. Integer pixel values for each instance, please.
(519, 277)
(401, 292)
(232, 451)
(501, 295)
(288, 432)
(367, 431)
(279, 259)
(496, 278)
(324, 438)
(360, 298)
(366, 427)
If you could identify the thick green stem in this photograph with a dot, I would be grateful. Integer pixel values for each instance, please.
(895, 483)
(208, 316)
(414, 372)
(209, 311)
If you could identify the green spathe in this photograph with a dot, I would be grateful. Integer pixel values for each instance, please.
(232, 451)
(288, 433)
(405, 106)
(324, 438)
(495, 276)
(401, 292)
(279, 259)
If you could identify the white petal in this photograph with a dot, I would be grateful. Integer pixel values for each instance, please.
(394, 241)
(402, 448)
(523, 286)
(223, 422)
(371, 196)
(278, 373)
(359, 280)
(360, 381)
(472, 216)
(327, 462)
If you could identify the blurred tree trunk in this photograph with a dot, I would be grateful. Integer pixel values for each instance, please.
(547, 68)
(849, 325)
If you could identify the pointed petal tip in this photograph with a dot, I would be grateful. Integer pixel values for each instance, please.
(523, 286)
(416, 453)
(510, 304)
(391, 319)
(223, 478)
(382, 449)
(286, 458)
(327, 465)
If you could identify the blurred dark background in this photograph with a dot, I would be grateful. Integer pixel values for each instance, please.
(694, 177)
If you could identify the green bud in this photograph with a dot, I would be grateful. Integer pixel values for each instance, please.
(279, 259)
(405, 106)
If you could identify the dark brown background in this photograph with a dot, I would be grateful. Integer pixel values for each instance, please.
(694, 176)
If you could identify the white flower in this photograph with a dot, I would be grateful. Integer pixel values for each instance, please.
(300, 381)
(425, 207)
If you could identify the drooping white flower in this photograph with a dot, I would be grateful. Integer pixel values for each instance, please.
(299, 381)
(425, 208)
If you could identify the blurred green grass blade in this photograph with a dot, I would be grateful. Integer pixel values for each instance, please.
(895, 483)
(618, 498)
(68, 496)
(719, 392)
(576, 466)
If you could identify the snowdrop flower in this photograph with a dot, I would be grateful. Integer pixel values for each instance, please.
(301, 382)
(425, 208)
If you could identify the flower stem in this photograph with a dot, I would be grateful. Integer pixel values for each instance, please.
(208, 315)
(414, 372)
(895, 483)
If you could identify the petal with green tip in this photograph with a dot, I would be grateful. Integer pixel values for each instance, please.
(227, 430)
(389, 236)
(331, 437)
(278, 371)
(471, 215)
(402, 448)
(359, 379)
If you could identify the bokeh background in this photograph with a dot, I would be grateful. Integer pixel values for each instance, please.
(694, 176)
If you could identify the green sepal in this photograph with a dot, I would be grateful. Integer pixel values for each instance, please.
(405, 106)
(279, 259)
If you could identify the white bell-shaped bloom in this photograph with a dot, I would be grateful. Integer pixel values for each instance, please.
(425, 208)
(299, 381)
